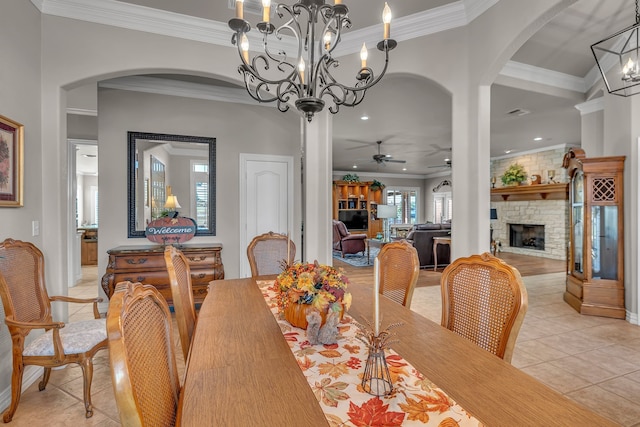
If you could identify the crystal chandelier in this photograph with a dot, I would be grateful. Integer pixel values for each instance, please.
(618, 58)
(306, 78)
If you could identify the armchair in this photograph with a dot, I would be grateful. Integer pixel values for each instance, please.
(27, 307)
(346, 242)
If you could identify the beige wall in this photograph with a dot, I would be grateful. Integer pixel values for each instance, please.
(270, 132)
(20, 101)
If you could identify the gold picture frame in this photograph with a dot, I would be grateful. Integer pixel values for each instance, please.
(11, 163)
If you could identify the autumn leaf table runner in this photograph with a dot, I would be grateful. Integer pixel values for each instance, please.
(334, 373)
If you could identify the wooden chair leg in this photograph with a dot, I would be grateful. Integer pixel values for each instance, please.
(45, 379)
(16, 391)
(87, 374)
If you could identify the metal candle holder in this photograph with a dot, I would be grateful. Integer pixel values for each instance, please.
(376, 379)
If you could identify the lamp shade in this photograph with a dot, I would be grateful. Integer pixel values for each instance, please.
(387, 211)
(493, 214)
(172, 202)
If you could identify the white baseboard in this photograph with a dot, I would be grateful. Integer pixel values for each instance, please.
(31, 374)
(632, 318)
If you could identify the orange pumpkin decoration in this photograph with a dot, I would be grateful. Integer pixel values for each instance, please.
(296, 314)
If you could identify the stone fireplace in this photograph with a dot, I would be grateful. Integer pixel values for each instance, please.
(526, 236)
(532, 227)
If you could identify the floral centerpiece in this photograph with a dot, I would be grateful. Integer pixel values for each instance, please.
(305, 286)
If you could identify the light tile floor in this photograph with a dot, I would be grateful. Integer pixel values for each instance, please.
(594, 361)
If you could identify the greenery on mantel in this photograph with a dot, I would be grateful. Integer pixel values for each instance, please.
(514, 175)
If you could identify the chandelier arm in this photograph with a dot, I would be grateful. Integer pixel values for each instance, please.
(363, 85)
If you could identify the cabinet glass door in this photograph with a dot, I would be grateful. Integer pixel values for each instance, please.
(604, 242)
(577, 216)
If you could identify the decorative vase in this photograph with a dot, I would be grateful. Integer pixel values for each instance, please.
(296, 314)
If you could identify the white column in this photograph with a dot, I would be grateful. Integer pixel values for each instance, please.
(470, 174)
(317, 182)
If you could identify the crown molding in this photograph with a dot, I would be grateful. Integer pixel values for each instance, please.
(534, 151)
(534, 74)
(591, 106)
(405, 28)
(378, 175)
(475, 8)
(141, 18)
(169, 87)
(82, 112)
(453, 15)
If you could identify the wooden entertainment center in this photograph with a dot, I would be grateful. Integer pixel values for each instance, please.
(352, 201)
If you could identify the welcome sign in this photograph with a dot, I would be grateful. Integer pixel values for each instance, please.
(168, 231)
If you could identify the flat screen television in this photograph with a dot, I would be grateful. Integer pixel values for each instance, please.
(354, 219)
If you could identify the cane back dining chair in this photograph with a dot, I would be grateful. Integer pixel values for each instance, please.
(27, 307)
(485, 301)
(182, 295)
(399, 270)
(142, 356)
(267, 252)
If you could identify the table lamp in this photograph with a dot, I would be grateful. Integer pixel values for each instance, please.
(171, 204)
(385, 212)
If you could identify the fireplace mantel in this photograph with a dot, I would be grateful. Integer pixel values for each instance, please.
(531, 192)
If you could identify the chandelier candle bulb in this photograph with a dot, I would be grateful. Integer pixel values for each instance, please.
(266, 10)
(376, 296)
(386, 19)
(338, 2)
(301, 67)
(244, 45)
(239, 9)
(363, 55)
(327, 40)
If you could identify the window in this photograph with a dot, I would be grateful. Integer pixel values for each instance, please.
(406, 199)
(200, 185)
(442, 207)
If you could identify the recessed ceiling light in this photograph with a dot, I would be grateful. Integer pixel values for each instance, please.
(507, 151)
(404, 169)
(364, 118)
(537, 138)
(447, 160)
(355, 166)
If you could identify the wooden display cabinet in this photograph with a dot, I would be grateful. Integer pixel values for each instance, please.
(595, 268)
(351, 198)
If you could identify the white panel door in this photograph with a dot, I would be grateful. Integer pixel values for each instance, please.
(266, 199)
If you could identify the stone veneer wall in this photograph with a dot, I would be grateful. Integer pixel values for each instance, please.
(553, 214)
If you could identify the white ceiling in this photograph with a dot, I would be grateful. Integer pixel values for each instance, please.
(412, 116)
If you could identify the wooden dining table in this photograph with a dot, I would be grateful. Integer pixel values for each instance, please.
(241, 372)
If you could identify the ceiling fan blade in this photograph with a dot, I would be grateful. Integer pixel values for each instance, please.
(394, 161)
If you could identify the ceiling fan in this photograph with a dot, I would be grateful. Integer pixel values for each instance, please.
(382, 158)
(447, 164)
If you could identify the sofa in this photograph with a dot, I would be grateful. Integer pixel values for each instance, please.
(346, 242)
(421, 237)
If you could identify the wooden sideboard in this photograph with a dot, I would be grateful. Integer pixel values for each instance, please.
(145, 263)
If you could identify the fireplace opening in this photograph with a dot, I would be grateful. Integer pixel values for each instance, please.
(526, 236)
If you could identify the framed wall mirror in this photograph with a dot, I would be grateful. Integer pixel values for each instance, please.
(163, 165)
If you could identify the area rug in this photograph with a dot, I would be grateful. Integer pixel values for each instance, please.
(359, 259)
